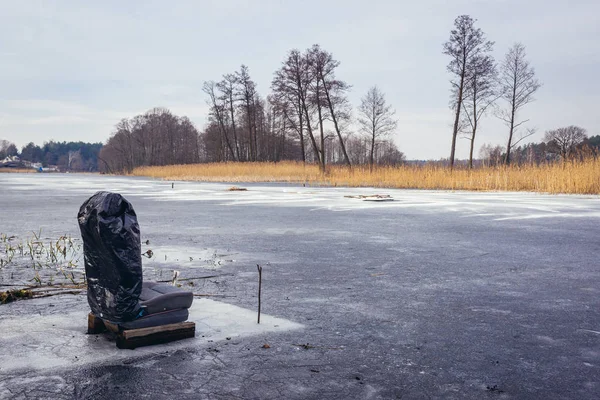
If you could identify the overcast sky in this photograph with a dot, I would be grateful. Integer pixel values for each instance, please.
(69, 70)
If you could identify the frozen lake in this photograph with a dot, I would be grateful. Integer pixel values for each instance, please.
(432, 295)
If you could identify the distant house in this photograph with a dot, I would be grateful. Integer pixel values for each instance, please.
(11, 162)
(11, 159)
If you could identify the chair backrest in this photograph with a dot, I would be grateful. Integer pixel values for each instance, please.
(112, 254)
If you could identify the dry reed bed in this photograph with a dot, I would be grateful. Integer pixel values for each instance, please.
(17, 170)
(573, 177)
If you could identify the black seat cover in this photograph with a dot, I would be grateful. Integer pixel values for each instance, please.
(112, 254)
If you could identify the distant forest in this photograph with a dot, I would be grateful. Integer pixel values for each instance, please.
(552, 149)
(85, 157)
(67, 156)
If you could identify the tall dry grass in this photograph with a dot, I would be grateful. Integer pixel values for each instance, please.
(572, 177)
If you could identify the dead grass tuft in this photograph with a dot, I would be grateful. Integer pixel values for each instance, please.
(14, 295)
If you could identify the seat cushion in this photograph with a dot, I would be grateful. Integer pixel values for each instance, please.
(160, 297)
(161, 318)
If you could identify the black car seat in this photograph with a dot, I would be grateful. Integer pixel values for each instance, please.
(113, 267)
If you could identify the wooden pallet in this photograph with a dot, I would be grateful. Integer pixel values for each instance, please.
(132, 338)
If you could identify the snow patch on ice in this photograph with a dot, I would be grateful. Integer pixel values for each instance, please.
(52, 341)
(556, 214)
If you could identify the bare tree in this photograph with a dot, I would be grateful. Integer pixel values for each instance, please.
(246, 92)
(317, 98)
(564, 141)
(7, 149)
(309, 96)
(277, 120)
(174, 141)
(389, 154)
(218, 110)
(334, 89)
(287, 97)
(517, 84)
(491, 155)
(74, 159)
(123, 144)
(376, 119)
(3, 146)
(466, 45)
(227, 89)
(481, 93)
(290, 84)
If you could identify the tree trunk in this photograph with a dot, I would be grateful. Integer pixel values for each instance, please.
(282, 144)
(335, 124)
(221, 123)
(457, 117)
(372, 156)
(235, 139)
(310, 132)
(227, 140)
(322, 166)
(249, 121)
(510, 135)
(474, 123)
(301, 132)
(255, 131)
(512, 116)
(471, 151)
(373, 133)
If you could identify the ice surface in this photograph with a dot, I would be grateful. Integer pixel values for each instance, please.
(434, 295)
(495, 205)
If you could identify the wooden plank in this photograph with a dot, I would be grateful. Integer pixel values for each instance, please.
(95, 325)
(112, 327)
(131, 333)
(130, 339)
